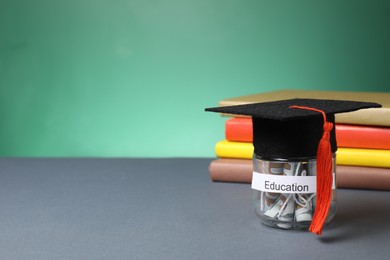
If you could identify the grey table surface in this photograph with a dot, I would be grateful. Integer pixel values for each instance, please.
(92, 208)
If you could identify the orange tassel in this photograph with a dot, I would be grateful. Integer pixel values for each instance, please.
(324, 175)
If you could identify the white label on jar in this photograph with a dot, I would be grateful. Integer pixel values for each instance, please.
(285, 184)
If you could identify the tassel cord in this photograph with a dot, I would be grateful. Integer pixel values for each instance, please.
(324, 175)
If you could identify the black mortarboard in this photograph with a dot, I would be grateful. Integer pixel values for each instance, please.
(280, 131)
(296, 129)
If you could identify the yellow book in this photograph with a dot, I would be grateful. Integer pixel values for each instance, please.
(371, 116)
(345, 156)
(363, 157)
(227, 149)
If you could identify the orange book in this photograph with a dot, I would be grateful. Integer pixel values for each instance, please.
(351, 136)
(239, 129)
(359, 136)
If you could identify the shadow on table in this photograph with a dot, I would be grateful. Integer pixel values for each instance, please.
(359, 214)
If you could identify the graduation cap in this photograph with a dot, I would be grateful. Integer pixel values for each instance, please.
(299, 128)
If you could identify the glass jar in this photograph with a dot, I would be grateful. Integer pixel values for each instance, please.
(285, 191)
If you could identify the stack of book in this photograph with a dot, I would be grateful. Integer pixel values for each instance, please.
(363, 138)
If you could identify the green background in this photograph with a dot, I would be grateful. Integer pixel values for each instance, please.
(132, 78)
